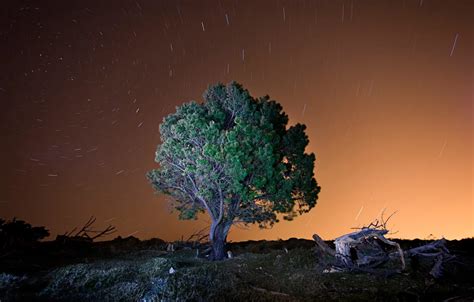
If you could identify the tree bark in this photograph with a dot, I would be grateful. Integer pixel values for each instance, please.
(218, 237)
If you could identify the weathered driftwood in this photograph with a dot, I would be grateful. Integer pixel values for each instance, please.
(323, 246)
(365, 248)
(430, 249)
(436, 250)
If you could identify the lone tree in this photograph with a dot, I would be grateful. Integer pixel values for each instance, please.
(234, 157)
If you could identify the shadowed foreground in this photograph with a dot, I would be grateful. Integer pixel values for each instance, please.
(292, 270)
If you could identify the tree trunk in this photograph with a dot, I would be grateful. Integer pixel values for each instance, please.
(218, 236)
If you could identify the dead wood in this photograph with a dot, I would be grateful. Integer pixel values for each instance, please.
(266, 291)
(323, 246)
(435, 250)
(86, 233)
(198, 237)
(365, 248)
(433, 247)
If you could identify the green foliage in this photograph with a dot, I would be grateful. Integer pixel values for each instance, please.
(234, 157)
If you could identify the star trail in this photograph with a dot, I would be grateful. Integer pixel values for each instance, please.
(384, 87)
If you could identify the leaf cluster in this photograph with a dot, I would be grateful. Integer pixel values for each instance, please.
(234, 157)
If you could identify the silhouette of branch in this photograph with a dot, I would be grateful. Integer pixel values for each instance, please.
(88, 232)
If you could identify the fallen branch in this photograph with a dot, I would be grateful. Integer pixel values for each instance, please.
(86, 233)
(437, 250)
(323, 246)
(435, 246)
(266, 291)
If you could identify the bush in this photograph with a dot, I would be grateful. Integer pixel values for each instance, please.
(18, 234)
(114, 280)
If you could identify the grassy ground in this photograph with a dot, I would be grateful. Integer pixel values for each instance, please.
(260, 271)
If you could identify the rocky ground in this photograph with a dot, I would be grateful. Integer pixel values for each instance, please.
(292, 270)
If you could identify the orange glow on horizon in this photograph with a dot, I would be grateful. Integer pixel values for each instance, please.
(386, 93)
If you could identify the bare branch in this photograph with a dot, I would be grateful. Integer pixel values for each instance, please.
(86, 231)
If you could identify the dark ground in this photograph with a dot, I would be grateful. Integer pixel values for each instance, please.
(132, 270)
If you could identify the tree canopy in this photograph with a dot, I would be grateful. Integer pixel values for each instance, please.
(235, 158)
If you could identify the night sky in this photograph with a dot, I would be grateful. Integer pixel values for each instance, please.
(385, 88)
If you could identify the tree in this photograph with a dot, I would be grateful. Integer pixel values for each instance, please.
(18, 233)
(235, 158)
